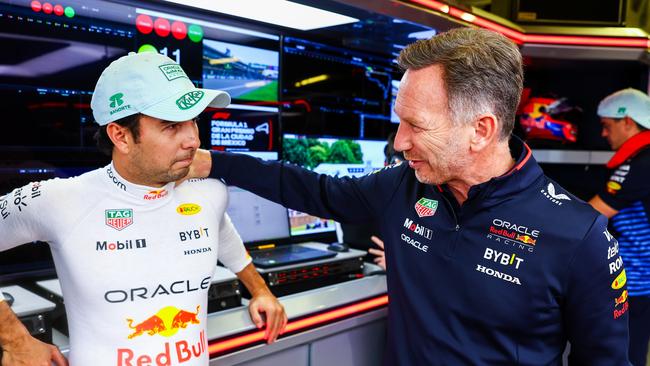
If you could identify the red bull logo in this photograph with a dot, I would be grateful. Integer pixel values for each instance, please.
(526, 239)
(621, 299)
(166, 322)
(175, 353)
(154, 195)
(619, 313)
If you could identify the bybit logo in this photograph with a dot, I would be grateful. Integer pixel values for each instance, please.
(194, 234)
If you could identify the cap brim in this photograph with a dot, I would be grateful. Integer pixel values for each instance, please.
(171, 110)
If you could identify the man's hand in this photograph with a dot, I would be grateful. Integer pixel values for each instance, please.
(276, 320)
(29, 351)
(263, 304)
(381, 255)
(200, 167)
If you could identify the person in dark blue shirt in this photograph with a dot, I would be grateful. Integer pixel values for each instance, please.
(489, 262)
(625, 198)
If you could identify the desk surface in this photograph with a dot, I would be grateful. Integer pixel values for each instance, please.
(27, 303)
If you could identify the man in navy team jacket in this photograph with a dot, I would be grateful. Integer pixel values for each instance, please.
(489, 261)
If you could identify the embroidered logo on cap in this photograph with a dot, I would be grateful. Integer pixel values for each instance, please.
(172, 71)
(189, 100)
(116, 100)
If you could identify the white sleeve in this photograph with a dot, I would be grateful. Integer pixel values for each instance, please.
(231, 248)
(22, 213)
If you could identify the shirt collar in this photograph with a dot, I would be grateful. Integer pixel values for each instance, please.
(139, 192)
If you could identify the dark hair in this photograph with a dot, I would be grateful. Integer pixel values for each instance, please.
(483, 72)
(132, 123)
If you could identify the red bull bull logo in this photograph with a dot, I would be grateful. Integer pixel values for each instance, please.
(166, 322)
(621, 299)
(526, 239)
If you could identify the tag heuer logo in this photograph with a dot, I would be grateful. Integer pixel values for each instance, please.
(116, 100)
(172, 71)
(189, 100)
(120, 218)
(622, 110)
(426, 207)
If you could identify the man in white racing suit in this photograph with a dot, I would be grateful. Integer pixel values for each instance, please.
(135, 254)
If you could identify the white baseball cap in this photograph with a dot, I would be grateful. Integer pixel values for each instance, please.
(627, 102)
(151, 84)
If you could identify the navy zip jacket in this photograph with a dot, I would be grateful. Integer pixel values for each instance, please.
(507, 278)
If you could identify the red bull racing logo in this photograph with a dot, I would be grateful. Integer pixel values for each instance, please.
(426, 207)
(508, 233)
(119, 219)
(165, 323)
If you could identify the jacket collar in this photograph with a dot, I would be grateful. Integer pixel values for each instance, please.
(521, 177)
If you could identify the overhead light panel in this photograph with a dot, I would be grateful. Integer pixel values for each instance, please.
(279, 12)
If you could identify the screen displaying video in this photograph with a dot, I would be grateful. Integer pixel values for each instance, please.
(338, 157)
(246, 73)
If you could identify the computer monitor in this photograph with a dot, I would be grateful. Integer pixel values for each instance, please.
(258, 220)
(246, 73)
(335, 77)
(338, 157)
(240, 128)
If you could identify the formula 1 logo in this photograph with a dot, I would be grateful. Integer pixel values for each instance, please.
(119, 219)
(426, 207)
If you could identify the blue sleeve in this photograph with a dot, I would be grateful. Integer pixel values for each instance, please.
(347, 200)
(596, 301)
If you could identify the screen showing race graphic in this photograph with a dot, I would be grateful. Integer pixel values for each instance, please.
(240, 128)
(338, 157)
(246, 73)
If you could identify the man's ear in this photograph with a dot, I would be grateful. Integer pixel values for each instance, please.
(120, 136)
(630, 124)
(485, 130)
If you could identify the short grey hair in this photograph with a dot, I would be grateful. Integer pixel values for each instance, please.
(483, 72)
